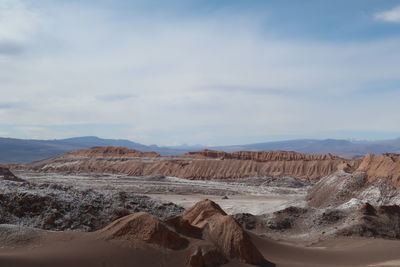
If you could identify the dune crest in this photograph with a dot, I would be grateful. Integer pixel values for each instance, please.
(213, 236)
(224, 231)
(144, 227)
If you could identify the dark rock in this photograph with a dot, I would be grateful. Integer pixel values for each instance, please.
(59, 207)
(330, 217)
(247, 220)
(368, 209)
(6, 174)
(280, 223)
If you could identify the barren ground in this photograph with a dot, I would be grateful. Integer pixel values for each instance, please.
(248, 195)
(252, 195)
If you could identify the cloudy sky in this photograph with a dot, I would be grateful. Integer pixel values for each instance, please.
(200, 72)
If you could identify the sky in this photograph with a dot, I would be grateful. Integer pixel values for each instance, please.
(200, 72)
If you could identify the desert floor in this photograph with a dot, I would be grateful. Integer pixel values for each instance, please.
(76, 249)
(256, 197)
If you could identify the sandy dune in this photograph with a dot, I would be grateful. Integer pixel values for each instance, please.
(71, 249)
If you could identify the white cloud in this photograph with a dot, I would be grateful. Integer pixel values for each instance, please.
(392, 15)
(193, 81)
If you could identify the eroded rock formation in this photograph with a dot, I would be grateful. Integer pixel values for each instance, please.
(111, 151)
(262, 156)
(346, 189)
(209, 164)
(382, 166)
(199, 165)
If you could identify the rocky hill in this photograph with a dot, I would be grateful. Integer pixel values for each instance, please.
(340, 204)
(206, 164)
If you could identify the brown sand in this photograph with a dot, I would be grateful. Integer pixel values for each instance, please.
(72, 249)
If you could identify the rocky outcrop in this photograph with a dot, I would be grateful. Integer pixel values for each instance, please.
(378, 221)
(347, 189)
(363, 220)
(202, 165)
(339, 204)
(336, 189)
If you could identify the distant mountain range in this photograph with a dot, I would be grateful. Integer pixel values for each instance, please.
(23, 151)
(340, 147)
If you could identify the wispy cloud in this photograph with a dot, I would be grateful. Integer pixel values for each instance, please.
(115, 97)
(12, 105)
(31, 128)
(10, 48)
(392, 15)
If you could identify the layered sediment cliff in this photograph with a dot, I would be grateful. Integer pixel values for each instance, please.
(382, 166)
(198, 165)
(111, 151)
(209, 164)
